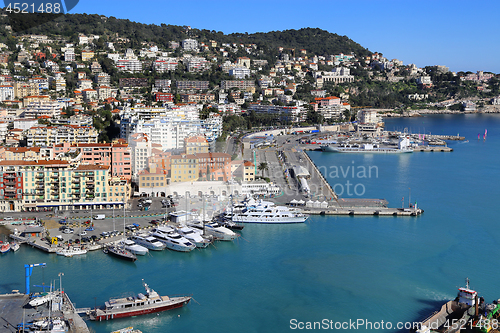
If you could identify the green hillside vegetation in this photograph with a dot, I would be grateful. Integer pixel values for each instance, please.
(314, 40)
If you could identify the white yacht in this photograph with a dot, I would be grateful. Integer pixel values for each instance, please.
(172, 239)
(214, 229)
(268, 213)
(131, 246)
(148, 242)
(71, 251)
(194, 235)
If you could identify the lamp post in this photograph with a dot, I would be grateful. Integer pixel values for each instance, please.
(409, 197)
(60, 282)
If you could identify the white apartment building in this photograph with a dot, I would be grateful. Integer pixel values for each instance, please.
(165, 64)
(140, 149)
(129, 65)
(43, 136)
(102, 79)
(196, 64)
(6, 93)
(168, 132)
(69, 55)
(84, 84)
(46, 108)
(337, 75)
(190, 44)
(25, 123)
(240, 72)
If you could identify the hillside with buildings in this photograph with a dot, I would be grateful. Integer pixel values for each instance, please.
(94, 108)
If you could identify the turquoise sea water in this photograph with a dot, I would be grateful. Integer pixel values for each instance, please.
(335, 268)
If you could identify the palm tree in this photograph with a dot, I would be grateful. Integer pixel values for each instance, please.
(262, 167)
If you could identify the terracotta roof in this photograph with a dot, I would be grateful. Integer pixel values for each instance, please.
(92, 167)
(38, 162)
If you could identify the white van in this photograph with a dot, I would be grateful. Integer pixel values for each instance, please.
(99, 217)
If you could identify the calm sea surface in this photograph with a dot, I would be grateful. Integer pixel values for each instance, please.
(335, 268)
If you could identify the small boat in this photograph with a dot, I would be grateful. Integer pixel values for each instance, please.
(133, 247)
(14, 246)
(148, 242)
(141, 304)
(71, 251)
(214, 229)
(127, 330)
(194, 235)
(5, 247)
(42, 299)
(172, 239)
(231, 225)
(120, 252)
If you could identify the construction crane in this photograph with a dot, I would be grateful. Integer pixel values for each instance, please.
(28, 269)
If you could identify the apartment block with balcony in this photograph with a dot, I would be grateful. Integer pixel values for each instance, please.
(11, 186)
(43, 136)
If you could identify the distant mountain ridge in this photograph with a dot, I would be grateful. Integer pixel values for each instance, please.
(314, 40)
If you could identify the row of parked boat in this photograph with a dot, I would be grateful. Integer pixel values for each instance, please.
(182, 238)
(6, 247)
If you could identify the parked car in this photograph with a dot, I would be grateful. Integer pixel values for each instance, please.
(83, 233)
(63, 221)
(131, 227)
(8, 218)
(68, 231)
(105, 234)
(154, 222)
(94, 238)
(89, 229)
(86, 239)
(62, 228)
(113, 233)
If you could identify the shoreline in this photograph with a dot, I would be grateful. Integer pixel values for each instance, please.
(420, 112)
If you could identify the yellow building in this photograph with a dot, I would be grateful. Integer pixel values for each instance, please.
(248, 171)
(184, 168)
(196, 144)
(153, 181)
(21, 153)
(23, 89)
(87, 55)
(119, 190)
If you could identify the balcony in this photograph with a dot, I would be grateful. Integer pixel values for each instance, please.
(76, 175)
(10, 189)
(55, 175)
(54, 193)
(40, 182)
(41, 199)
(39, 175)
(54, 181)
(10, 183)
(9, 176)
(75, 181)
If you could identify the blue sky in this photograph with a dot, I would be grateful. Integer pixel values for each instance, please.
(462, 35)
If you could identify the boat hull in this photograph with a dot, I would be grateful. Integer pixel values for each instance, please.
(330, 149)
(121, 254)
(114, 315)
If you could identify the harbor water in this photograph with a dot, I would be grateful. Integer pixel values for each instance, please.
(338, 268)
